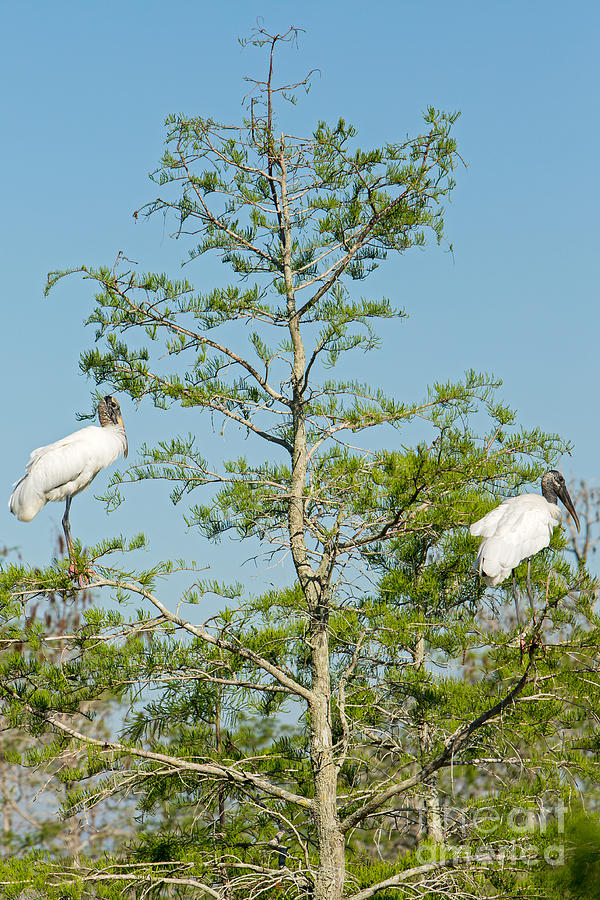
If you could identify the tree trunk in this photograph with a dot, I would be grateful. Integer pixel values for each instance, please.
(329, 882)
(221, 793)
(332, 863)
(433, 814)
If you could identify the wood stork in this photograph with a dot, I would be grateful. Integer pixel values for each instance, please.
(59, 471)
(519, 528)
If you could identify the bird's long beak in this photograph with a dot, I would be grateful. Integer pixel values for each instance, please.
(122, 424)
(564, 496)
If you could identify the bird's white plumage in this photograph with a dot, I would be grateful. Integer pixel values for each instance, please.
(66, 467)
(512, 532)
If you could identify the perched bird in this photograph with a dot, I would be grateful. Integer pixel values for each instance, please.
(519, 528)
(60, 470)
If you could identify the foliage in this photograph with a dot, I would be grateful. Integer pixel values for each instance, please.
(428, 710)
(34, 781)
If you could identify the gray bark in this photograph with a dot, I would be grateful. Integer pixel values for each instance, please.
(329, 883)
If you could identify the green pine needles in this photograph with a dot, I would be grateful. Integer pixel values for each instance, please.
(382, 723)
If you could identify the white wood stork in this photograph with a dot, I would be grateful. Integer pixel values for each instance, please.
(519, 528)
(59, 471)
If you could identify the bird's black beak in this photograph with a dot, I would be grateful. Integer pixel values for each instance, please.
(564, 496)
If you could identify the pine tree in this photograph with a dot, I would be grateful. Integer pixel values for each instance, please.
(33, 783)
(407, 677)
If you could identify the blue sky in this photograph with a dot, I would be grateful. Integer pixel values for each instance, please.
(86, 89)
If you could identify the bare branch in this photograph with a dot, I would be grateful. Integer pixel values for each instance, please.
(236, 648)
(452, 744)
(410, 874)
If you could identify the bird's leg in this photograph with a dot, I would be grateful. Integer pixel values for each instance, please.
(515, 591)
(67, 530)
(516, 598)
(529, 591)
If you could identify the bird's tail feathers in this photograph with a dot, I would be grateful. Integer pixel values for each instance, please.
(25, 501)
(480, 566)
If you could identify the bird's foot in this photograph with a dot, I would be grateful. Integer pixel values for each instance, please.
(82, 578)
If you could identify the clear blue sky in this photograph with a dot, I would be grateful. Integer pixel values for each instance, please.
(86, 88)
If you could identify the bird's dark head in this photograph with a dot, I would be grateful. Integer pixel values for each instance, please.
(109, 411)
(554, 488)
(553, 480)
